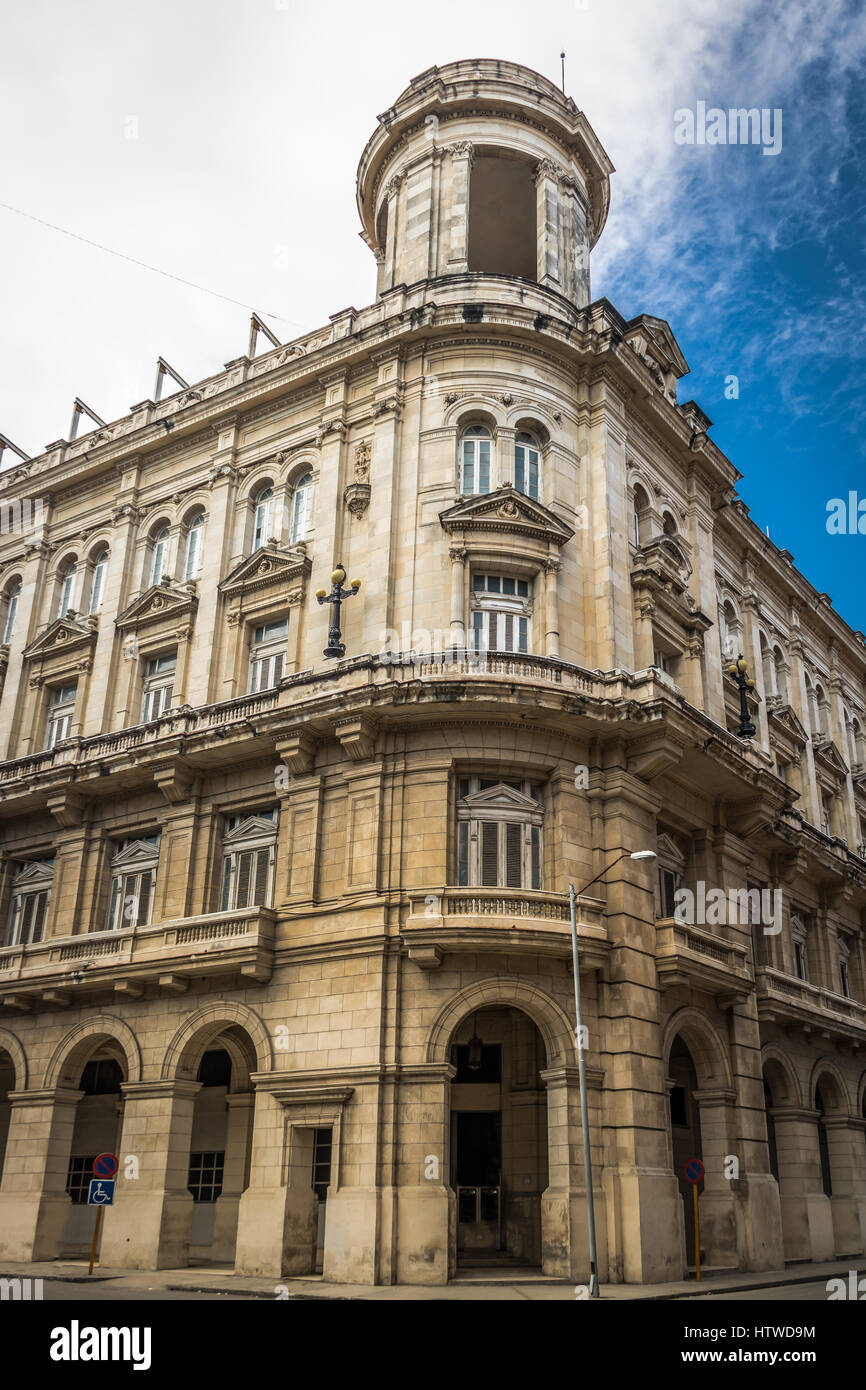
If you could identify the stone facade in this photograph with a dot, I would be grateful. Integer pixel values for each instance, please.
(291, 935)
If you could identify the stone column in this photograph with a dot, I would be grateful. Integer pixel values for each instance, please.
(392, 194)
(547, 184)
(848, 1202)
(462, 159)
(37, 557)
(149, 1227)
(551, 607)
(564, 1231)
(235, 1174)
(277, 1211)
(34, 1203)
(807, 1222)
(425, 1223)
(458, 557)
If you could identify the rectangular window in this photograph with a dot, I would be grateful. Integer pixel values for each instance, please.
(78, 1178)
(248, 860)
(61, 708)
(668, 885)
(159, 676)
(268, 655)
(133, 882)
(205, 1181)
(27, 924)
(800, 959)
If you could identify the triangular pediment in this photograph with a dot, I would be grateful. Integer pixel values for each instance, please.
(63, 634)
(505, 510)
(669, 852)
(272, 564)
(828, 754)
(500, 798)
(254, 827)
(37, 874)
(784, 717)
(141, 853)
(656, 338)
(158, 602)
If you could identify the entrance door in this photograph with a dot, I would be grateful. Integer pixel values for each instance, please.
(477, 1178)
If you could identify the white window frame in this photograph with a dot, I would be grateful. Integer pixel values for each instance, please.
(60, 714)
(799, 936)
(157, 559)
(249, 848)
(12, 596)
(158, 686)
(671, 869)
(268, 655)
(262, 512)
(500, 622)
(507, 820)
(31, 895)
(194, 537)
(66, 578)
(133, 883)
(97, 580)
(472, 462)
(527, 460)
(302, 504)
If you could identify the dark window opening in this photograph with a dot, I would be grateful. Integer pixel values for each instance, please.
(78, 1178)
(323, 1141)
(206, 1175)
(823, 1147)
(771, 1133)
(490, 1069)
(679, 1113)
(102, 1078)
(503, 238)
(215, 1069)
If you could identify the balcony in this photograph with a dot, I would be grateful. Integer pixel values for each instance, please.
(691, 955)
(509, 921)
(806, 1008)
(65, 970)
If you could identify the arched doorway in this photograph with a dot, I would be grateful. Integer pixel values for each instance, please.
(7, 1084)
(685, 1122)
(96, 1130)
(498, 1159)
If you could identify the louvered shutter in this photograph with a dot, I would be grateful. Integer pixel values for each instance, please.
(279, 663)
(463, 853)
(513, 856)
(26, 918)
(244, 877)
(227, 879)
(260, 883)
(536, 856)
(145, 892)
(39, 916)
(489, 854)
(508, 640)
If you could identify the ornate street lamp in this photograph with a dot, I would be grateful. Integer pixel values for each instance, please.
(740, 672)
(338, 594)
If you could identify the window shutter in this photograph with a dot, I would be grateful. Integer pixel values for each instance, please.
(522, 630)
(533, 477)
(513, 856)
(279, 662)
(519, 470)
(227, 877)
(254, 676)
(536, 856)
(260, 888)
(145, 893)
(508, 640)
(489, 854)
(468, 484)
(484, 465)
(244, 875)
(39, 916)
(116, 900)
(463, 853)
(26, 918)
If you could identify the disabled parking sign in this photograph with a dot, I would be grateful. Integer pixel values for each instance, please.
(101, 1192)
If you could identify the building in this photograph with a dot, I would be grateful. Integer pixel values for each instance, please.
(291, 934)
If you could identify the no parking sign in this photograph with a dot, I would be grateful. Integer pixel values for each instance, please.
(693, 1172)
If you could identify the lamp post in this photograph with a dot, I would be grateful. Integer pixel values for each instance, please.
(740, 672)
(336, 648)
(581, 1061)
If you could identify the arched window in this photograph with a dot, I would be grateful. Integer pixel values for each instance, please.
(669, 525)
(302, 501)
(731, 631)
(66, 588)
(9, 610)
(99, 565)
(195, 532)
(821, 729)
(856, 743)
(475, 450)
(641, 517)
(781, 674)
(158, 556)
(262, 517)
(527, 459)
(768, 670)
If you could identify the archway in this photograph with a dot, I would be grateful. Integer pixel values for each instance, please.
(498, 1159)
(96, 1130)
(685, 1121)
(7, 1084)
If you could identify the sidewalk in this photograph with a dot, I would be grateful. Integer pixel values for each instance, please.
(532, 1287)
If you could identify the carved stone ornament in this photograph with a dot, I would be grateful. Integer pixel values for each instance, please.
(357, 498)
(363, 456)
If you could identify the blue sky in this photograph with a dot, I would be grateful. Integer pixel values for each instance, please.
(249, 119)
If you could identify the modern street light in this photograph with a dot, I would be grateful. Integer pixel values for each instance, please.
(581, 1061)
(336, 648)
(740, 672)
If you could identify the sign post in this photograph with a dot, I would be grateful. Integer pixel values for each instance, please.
(693, 1171)
(101, 1195)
